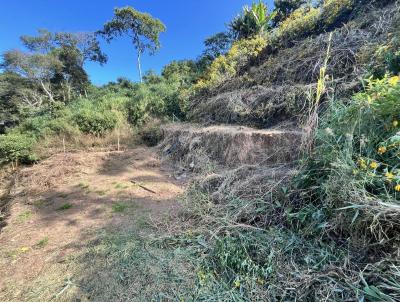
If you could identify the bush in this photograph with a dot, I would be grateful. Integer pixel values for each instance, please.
(302, 22)
(226, 66)
(155, 100)
(355, 163)
(95, 122)
(16, 147)
(335, 11)
(308, 20)
(386, 58)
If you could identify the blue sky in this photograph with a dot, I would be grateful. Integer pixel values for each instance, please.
(188, 23)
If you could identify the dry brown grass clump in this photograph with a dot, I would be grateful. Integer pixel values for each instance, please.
(230, 145)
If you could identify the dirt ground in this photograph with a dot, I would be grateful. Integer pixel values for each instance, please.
(66, 206)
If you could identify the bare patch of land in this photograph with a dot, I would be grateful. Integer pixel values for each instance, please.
(66, 209)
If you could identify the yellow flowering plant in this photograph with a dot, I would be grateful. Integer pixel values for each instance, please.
(366, 140)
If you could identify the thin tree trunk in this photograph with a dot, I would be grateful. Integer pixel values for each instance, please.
(47, 92)
(139, 66)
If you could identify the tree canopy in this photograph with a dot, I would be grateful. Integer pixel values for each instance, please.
(142, 28)
(253, 21)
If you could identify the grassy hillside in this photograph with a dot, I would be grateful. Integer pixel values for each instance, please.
(305, 211)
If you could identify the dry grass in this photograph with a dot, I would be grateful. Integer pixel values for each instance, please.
(52, 172)
(277, 85)
(230, 145)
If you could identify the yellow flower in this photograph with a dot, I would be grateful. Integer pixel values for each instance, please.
(24, 249)
(395, 123)
(260, 281)
(382, 150)
(397, 188)
(389, 175)
(236, 283)
(394, 80)
(362, 163)
(374, 165)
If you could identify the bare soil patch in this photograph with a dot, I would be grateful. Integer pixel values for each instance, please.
(61, 206)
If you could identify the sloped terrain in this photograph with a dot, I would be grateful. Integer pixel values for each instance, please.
(278, 85)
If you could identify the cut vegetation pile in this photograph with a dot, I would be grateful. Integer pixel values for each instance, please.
(230, 145)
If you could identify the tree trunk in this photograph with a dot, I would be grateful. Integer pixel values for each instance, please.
(139, 67)
(47, 92)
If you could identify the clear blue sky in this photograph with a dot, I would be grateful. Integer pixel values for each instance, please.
(188, 23)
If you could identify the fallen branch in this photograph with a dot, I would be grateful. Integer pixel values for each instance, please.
(143, 187)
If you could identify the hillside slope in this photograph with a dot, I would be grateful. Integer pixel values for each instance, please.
(276, 86)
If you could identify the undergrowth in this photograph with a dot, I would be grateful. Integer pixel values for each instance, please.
(332, 235)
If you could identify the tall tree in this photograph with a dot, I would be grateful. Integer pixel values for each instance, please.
(38, 68)
(53, 64)
(143, 29)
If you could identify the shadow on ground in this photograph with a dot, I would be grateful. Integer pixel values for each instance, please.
(89, 236)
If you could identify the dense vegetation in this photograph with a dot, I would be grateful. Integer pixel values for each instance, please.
(330, 234)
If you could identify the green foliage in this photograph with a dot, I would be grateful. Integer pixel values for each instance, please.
(334, 12)
(119, 207)
(284, 8)
(51, 70)
(253, 21)
(225, 67)
(64, 207)
(42, 243)
(386, 58)
(307, 20)
(95, 122)
(355, 160)
(302, 22)
(16, 147)
(217, 45)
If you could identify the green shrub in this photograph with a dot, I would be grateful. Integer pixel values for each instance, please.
(308, 20)
(155, 100)
(386, 58)
(226, 66)
(302, 22)
(16, 147)
(335, 11)
(95, 122)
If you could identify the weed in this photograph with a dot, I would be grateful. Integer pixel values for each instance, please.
(119, 207)
(42, 243)
(24, 216)
(40, 202)
(65, 206)
(121, 186)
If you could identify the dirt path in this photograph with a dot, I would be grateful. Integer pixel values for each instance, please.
(64, 206)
